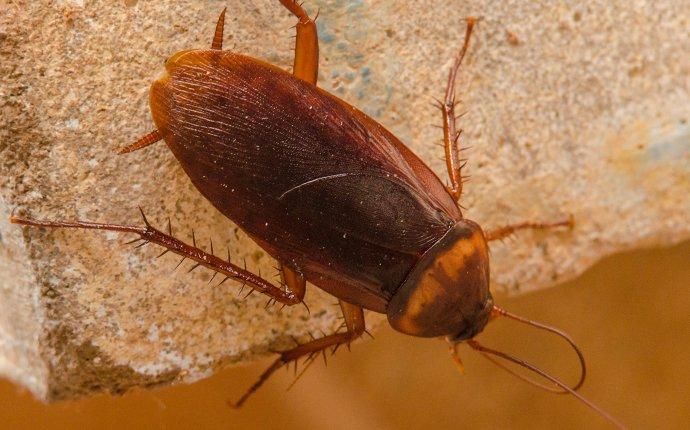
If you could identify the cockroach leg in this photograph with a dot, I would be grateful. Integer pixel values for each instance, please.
(503, 232)
(217, 42)
(306, 64)
(294, 281)
(451, 133)
(143, 142)
(354, 319)
(148, 233)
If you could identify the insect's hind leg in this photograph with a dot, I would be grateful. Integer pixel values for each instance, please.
(451, 133)
(149, 234)
(306, 64)
(217, 42)
(354, 323)
(505, 231)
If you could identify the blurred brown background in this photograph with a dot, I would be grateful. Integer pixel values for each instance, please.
(629, 314)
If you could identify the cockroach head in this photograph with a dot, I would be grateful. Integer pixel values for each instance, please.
(447, 292)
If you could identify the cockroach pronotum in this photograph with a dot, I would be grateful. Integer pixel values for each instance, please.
(332, 195)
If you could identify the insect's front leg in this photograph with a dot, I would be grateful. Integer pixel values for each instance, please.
(451, 132)
(149, 234)
(355, 327)
(505, 231)
(306, 65)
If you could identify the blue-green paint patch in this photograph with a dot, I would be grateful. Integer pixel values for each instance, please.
(351, 4)
(675, 146)
(389, 93)
(324, 35)
(355, 79)
(354, 5)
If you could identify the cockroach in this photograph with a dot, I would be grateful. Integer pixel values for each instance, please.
(332, 195)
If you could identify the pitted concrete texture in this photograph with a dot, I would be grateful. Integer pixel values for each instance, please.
(572, 108)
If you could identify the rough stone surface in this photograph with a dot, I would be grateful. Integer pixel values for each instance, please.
(572, 108)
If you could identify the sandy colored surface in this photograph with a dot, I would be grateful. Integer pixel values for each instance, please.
(573, 108)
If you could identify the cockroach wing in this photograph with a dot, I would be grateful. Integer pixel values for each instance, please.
(317, 183)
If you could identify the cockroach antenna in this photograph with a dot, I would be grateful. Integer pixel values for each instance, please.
(560, 387)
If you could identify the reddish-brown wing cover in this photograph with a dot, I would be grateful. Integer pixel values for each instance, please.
(320, 185)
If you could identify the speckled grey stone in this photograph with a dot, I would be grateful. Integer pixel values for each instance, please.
(572, 107)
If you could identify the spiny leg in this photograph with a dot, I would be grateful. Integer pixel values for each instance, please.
(354, 322)
(217, 42)
(503, 232)
(142, 142)
(149, 234)
(451, 134)
(306, 65)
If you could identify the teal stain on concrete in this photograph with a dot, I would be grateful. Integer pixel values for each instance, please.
(351, 5)
(355, 76)
(354, 5)
(673, 147)
(389, 94)
(365, 81)
(324, 35)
